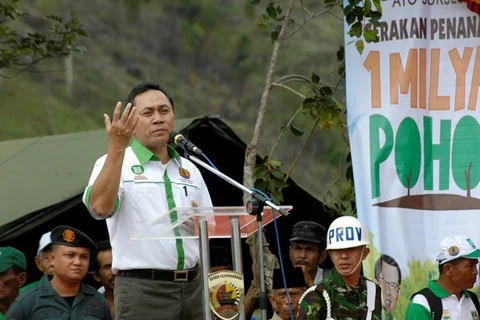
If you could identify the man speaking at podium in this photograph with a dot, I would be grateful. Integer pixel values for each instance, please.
(132, 185)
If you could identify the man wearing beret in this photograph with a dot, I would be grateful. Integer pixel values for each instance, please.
(12, 276)
(63, 295)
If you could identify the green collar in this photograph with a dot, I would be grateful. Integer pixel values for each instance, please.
(338, 280)
(144, 154)
(440, 292)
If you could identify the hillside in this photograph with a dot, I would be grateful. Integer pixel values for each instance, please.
(211, 56)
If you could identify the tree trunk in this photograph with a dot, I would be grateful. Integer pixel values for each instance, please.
(252, 149)
(409, 179)
(69, 77)
(467, 178)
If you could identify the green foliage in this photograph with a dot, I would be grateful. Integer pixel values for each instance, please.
(320, 102)
(269, 178)
(22, 51)
(271, 19)
(221, 72)
(419, 273)
(356, 15)
(369, 262)
(417, 277)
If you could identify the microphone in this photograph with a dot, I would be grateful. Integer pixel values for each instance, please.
(182, 142)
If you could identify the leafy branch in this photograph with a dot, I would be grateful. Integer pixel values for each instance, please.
(252, 149)
(19, 52)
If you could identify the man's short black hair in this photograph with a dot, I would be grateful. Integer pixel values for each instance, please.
(48, 248)
(18, 270)
(388, 260)
(103, 245)
(144, 87)
(454, 262)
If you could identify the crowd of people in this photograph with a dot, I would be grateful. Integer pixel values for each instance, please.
(141, 176)
(64, 256)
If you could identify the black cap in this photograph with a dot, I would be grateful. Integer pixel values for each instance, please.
(219, 256)
(293, 275)
(309, 231)
(68, 236)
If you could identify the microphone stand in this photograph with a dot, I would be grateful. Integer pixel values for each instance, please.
(254, 207)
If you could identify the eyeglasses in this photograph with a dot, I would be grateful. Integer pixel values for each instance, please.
(392, 286)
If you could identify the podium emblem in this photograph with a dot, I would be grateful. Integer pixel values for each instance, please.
(225, 293)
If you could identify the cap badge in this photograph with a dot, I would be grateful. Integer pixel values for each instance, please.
(68, 235)
(453, 251)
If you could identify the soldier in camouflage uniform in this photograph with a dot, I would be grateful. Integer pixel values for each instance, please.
(345, 294)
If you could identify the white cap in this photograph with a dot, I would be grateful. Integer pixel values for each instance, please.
(346, 232)
(45, 240)
(454, 247)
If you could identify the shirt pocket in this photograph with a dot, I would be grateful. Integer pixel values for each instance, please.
(49, 313)
(187, 194)
(91, 314)
(146, 201)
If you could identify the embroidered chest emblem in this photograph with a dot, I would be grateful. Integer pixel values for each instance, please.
(92, 304)
(184, 173)
(445, 315)
(138, 170)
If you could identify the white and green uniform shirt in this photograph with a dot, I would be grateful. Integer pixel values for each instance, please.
(147, 189)
(453, 308)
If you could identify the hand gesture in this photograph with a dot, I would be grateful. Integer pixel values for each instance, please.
(120, 129)
(308, 278)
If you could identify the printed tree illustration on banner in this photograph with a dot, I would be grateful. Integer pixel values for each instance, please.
(458, 158)
(466, 170)
(408, 163)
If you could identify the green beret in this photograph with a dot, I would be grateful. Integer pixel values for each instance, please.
(68, 236)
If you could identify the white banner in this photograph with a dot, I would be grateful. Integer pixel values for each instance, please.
(414, 130)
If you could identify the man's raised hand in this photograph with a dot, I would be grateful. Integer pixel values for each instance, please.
(120, 129)
(308, 278)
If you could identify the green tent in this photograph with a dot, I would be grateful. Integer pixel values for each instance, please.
(44, 176)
